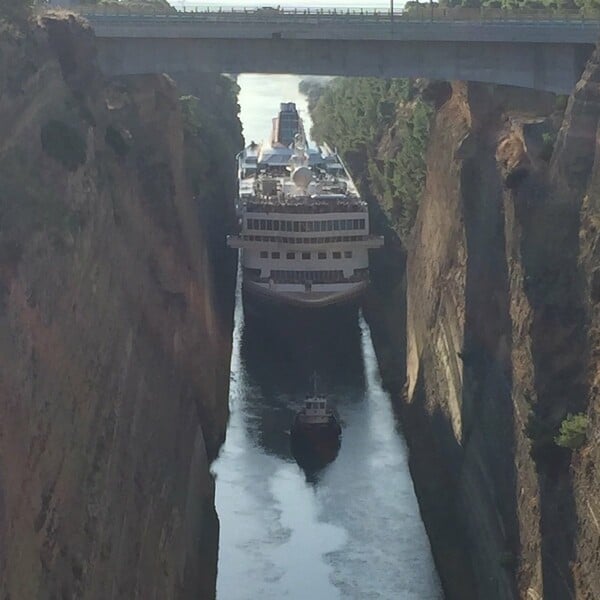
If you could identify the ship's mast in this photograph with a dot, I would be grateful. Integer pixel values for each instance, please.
(315, 381)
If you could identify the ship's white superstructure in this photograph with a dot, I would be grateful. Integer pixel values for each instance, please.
(304, 234)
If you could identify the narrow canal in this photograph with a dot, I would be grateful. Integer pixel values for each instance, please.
(351, 530)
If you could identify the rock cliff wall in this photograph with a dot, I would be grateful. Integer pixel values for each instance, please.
(576, 177)
(489, 340)
(114, 344)
(462, 307)
(497, 343)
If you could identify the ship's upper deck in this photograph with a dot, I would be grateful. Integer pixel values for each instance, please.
(306, 204)
(283, 176)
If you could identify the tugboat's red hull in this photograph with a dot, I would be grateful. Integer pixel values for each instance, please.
(315, 446)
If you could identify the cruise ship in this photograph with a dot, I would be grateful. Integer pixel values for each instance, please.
(304, 230)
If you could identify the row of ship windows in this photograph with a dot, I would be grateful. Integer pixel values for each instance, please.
(316, 405)
(299, 240)
(306, 226)
(306, 255)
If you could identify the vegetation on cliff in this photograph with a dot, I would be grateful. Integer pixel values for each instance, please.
(573, 431)
(313, 89)
(381, 128)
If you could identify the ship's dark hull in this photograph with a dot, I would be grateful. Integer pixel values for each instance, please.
(307, 301)
(264, 308)
(307, 340)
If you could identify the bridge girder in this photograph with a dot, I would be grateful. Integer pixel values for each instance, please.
(542, 66)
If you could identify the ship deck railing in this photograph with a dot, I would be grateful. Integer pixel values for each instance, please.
(371, 241)
(308, 206)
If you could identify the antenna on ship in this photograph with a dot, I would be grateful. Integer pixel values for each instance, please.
(315, 381)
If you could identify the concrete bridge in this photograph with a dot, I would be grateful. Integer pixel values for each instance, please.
(540, 53)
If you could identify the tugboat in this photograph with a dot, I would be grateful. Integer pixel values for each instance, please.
(315, 433)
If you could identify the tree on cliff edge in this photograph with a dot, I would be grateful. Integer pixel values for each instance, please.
(15, 11)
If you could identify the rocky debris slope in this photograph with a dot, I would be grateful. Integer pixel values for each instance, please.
(114, 346)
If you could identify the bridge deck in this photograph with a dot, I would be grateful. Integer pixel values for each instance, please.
(251, 25)
(544, 53)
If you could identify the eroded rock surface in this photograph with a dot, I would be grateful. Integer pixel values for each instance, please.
(114, 346)
(500, 325)
(484, 319)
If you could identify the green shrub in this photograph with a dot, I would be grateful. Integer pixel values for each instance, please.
(64, 144)
(313, 89)
(573, 431)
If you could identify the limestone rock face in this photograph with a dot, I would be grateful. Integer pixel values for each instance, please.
(501, 341)
(499, 315)
(484, 317)
(582, 121)
(114, 346)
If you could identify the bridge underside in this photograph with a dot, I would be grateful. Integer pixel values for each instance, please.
(541, 66)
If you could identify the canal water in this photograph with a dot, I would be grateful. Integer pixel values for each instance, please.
(351, 530)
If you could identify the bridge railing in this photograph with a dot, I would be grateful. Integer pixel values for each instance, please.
(413, 13)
